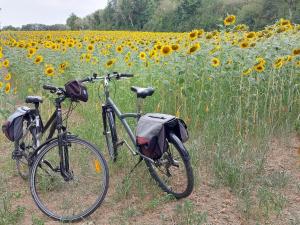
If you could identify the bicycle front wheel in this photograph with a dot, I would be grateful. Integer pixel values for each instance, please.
(111, 135)
(173, 171)
(71, 199)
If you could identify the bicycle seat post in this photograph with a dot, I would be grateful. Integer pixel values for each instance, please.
(139, 104)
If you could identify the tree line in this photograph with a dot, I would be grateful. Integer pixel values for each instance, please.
(178, 15)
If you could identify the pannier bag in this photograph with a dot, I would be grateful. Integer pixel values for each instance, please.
(13, 126)
(76, 91)
(151, 133)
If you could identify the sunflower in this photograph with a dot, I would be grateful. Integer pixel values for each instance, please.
(166, 50)
(175, 47)
(49, 70)
(7, 76)
(64, 65)
(142, 56)
(193, 35)
(194, 48)
(90, 47)
(119, 49)
(31, 51)
(259, 67)
(152, 54)
(261, 61)
(110, 62)
(229, 20)
(296, 51)
(247, 71)
(251, 35)
(7, 88)
(6, 63)
(278, 63)
(38, 59)
(215, 62)
(244, 44)
(297, 63)
(1, 84)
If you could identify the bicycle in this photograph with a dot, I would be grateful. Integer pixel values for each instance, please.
(174, 163)
(68, 176)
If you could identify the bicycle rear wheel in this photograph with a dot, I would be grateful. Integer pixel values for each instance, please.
(26, 146)
(173, 171)
(76, 198)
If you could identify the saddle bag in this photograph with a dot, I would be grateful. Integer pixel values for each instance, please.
(13, 126)
(151, 133)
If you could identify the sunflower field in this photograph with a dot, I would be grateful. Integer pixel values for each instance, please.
(234, 87)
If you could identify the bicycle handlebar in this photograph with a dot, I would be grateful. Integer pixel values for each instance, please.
(109, 76)
(49, 87)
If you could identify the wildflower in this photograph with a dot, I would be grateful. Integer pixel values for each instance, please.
(7, 76)
(166, 50)
(142, 56)
(38, 59)
(49, 70)
(110, 62)
(6, 63)
(229, 20)
(7, 88)
(215, 62)
(194, 48)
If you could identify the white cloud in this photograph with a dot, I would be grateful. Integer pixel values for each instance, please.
(20, 12)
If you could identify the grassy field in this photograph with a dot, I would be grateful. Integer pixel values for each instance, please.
(237, 90)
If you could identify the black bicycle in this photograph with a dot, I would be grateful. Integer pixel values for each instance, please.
(68, 176)
(172, 171)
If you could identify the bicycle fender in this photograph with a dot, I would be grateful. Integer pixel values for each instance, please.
(48, 142)
(172, 138)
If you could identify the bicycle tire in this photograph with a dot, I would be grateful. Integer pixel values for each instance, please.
(111, 136)
(22, 164)
(162, 180)
(81, 205)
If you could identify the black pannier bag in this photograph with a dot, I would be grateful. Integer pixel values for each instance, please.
(13, 126)
(76, 91)
(151, 133)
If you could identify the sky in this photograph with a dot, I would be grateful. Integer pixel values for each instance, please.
(21, 12)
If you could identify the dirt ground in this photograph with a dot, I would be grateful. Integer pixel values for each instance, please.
(219, 204)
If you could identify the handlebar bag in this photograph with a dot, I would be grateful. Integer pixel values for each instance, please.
(76, 91)
(13, 126)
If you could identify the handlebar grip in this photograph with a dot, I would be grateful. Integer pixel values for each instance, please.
(126, 75)
(49, 87)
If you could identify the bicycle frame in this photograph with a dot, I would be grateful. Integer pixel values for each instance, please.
(109, 103)
(54, 123)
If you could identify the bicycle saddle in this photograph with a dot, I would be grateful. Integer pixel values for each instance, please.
(142, 92)
(34, 99)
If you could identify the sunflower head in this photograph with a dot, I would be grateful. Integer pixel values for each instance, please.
(193, 48)
(110, 62)
(244, 44)
(7, 76)
(259, 67)
(6, 63)
(90, 48)
(296, 51)
(7, 88)
(119, 49)
(166, 50)
(49, 70)
(142, 56)
(229, 20)
(215, 62)
(38, 59)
